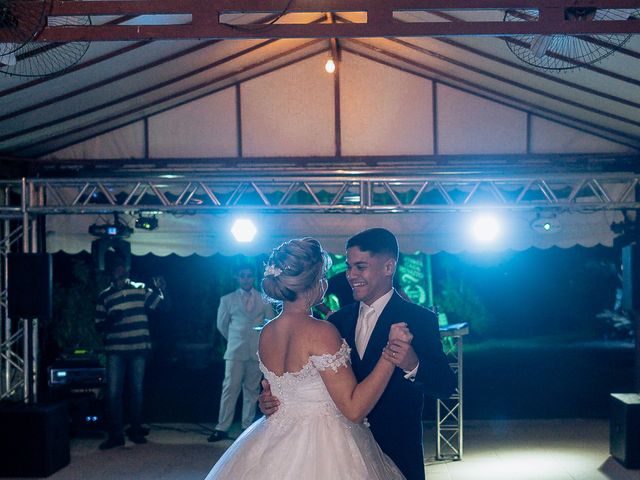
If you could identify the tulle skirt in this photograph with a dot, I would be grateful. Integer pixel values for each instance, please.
(314, 447)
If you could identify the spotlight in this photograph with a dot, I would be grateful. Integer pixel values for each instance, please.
(106, 230)
(244, 230)
(627, 232)
(486, 228)
(146, 223)
(549, 224)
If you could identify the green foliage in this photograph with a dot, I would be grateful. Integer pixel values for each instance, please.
(462, 304)
(73, 323)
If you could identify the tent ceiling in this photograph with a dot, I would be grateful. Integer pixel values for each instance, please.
(120, 82)
(423, 89)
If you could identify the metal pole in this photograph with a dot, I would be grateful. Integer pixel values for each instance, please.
(460, 399)
(26, 371)
(33, 237)
(430, 301)
(6, 324)
(35, 351)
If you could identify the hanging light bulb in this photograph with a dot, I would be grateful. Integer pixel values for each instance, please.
(330, 66)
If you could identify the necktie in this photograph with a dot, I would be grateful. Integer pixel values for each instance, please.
(363, 329)
(248, 301)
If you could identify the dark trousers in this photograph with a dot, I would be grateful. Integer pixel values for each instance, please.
(121, 367)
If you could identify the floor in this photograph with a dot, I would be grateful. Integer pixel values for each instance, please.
(576, 449)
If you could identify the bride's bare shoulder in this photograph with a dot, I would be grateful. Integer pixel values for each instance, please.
(326, 338)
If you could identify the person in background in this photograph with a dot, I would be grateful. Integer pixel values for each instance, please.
(121, 317)
(240, 315)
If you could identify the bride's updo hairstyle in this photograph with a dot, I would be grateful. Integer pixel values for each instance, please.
(293, 268)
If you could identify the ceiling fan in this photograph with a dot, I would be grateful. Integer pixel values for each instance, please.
(20, 52)
(565, 52)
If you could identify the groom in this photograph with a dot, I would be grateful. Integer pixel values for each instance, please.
(396, 420)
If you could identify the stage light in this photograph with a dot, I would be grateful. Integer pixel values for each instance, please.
(486, 228)
(545, 224)
(146, 223)
(243, 230)
(106, 230)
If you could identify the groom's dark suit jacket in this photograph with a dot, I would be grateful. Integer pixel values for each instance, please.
(396, 420)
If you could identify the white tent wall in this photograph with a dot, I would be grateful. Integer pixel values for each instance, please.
(207, 234)
(551, 137)
(290, 112)
(383, 111)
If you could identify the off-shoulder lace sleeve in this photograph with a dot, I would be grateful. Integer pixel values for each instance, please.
(335, 361)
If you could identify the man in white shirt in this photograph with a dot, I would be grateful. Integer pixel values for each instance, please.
(240, 315)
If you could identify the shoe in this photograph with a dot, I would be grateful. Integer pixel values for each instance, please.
(139, 439)
(217, 435)
(110, 443)
(137, 431)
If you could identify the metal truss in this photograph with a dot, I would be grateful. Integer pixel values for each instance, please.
(12, 351)
(449, 444)
(26, 201)
(331, 193)
(168, 19)
(18, 337)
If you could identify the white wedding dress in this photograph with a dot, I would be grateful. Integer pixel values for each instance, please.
(307, 438)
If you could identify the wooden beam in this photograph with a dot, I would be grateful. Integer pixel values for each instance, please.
(207, 19)
(435, 29)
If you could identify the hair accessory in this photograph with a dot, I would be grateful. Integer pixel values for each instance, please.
(272, 270)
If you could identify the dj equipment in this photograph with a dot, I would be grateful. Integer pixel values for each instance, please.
(78, 369)
(79, 379)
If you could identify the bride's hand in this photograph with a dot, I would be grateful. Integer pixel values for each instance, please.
(400, 331)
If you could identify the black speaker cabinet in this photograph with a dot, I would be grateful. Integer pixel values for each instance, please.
(630, 259)
(624, 433)
(29, 287)
(34, 439)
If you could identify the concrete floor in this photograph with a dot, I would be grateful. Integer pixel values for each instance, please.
(576, 449)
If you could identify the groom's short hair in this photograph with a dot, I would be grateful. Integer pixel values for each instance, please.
(375, 241)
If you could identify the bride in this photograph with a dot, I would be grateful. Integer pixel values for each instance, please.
(320, 430)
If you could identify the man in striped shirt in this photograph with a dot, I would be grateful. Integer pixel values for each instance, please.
(121, 316)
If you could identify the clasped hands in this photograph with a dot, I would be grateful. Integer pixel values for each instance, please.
(398, 349)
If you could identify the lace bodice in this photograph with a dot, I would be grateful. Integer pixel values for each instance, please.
(304, 392)
(307, 437)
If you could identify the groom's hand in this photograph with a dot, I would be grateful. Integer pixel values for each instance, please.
(267, 402)
(402, 354)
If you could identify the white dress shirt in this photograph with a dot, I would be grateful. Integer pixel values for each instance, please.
(367, 318)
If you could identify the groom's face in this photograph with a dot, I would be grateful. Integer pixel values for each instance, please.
(370, 276)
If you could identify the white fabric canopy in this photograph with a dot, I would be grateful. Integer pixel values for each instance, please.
(207, 234)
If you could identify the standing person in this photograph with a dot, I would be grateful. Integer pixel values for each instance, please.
(396, 420)
(121, 316)
(240, 314)
(318, 432)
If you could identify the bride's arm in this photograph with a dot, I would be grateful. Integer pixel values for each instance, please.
(355, 400)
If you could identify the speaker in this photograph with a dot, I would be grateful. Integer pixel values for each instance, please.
(29, 285)
(34, 439)
(630, 259)
(624, 431)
